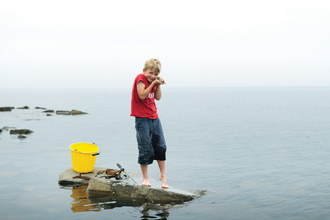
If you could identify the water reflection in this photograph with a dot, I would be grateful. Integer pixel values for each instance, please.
(81, 201)
(150, 211)
(90, 201)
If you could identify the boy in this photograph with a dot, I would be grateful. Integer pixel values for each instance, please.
(149, 132)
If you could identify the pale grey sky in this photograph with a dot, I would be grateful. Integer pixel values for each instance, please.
(85, 44)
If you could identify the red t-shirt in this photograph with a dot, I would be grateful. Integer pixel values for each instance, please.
(147, 107)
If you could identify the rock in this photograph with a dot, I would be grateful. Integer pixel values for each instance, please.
(6, 109)
(62, 112)
(49, 115)
(6, 128)
(0, 130)
(39, 108)
(76, 112)
(124, 188)
(21, 131)
(67, 177)
(25, 107)
(127, 188)
(49, 111)
(21, 136)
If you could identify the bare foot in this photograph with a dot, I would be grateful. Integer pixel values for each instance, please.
(146, 183)
(145, 177)
(164, 182)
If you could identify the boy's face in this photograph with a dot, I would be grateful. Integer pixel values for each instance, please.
(151, 75)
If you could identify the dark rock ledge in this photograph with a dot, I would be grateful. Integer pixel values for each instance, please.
(72, 112)
(48, 111)
(6, 109)
(20, 131)
(25, 107)
(58, 112)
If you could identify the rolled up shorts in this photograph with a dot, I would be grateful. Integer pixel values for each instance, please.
(150, 139)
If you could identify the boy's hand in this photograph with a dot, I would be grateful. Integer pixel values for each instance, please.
(160, 80)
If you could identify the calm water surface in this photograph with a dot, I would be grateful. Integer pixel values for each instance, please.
(253, 153)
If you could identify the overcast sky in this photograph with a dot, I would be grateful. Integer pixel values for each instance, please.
(85, 44)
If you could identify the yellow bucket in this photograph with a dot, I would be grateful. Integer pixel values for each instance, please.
(83, 157)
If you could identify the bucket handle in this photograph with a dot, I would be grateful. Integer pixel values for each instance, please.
(98, 153)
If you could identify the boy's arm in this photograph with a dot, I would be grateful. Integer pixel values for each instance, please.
(142, 91)
(158, 92)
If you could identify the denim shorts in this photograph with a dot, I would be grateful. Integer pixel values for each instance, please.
(150, 139)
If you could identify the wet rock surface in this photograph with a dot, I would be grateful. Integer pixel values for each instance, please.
(99, 184)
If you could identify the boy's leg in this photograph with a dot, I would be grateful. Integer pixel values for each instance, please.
(146, 151)
(144, 169)
(159, 145)
(162, 177)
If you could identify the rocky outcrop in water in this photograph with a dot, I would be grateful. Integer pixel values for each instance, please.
(21, 136)
(72, 112)
(58, 112)
(76, 112)
(62, 112)
(6, 128)
(6, 109)
(25, 107)
(100, 184)
(23, 132)
(20, 131)
(48, 111)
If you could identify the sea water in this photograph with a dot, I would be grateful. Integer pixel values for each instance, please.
(249, 153)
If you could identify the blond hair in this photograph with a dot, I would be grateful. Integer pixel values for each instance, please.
(153, 64)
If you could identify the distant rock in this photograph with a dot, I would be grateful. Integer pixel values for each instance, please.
(49, 114)
(62, 112)
(6, 128)
(72, 112)
(0, 130)
(21, 131)
(40, 108)
(49, 111)
(21, 136)
(6, 109)
(76, 112)
(25, 107)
